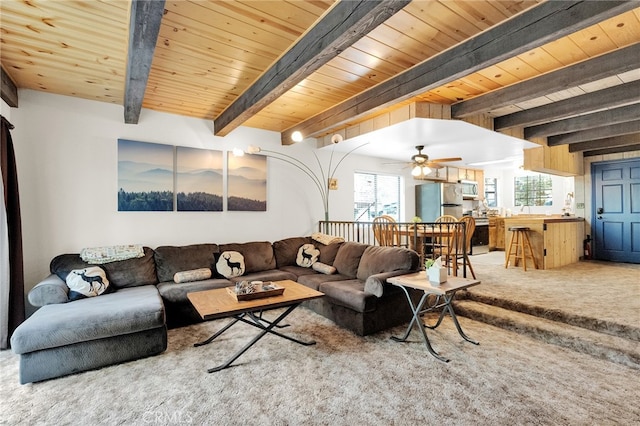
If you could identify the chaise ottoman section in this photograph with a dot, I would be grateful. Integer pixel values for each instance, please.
(66, 338)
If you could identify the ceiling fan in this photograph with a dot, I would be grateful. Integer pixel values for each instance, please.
(422, 165)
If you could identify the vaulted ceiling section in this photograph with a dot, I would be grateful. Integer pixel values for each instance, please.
(567, 71)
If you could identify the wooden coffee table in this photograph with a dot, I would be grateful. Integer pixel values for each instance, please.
(444, 293)
(220, 303)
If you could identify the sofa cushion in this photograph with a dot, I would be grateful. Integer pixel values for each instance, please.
(348, 258)
(270, 275)
(50, 290)
(123, 273)
(350, 294)
(177, 293)
(376, 259)
(129, 310)
(328, 252)
(297, 270)
(62, 264)
(286, 250)
(258, 255)
(230, 264)
(307, 255)
(133, 272)
(87, 282)
(172, 259)
(316, 279)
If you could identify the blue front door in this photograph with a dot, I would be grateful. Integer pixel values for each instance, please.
(616, 211)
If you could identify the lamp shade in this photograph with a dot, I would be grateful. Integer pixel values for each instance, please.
(420, 171)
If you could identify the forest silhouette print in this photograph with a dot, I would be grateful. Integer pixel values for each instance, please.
(145, 176)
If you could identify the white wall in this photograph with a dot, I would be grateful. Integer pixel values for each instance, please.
(505, 179)
(66, 149)
(5, 110)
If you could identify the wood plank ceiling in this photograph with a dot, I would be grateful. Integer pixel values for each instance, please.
(209, 53)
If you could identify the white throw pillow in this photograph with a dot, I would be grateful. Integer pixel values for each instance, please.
(323, 268)
(307, 255)
(87, 282)
(230, 264)
(192, 275)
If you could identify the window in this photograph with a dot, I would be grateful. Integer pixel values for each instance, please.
(375, 195)
(491, 191)
(533, 190)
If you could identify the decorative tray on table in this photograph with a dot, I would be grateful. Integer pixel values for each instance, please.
(249, 290)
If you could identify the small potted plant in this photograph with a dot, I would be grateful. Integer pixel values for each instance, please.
(436, 274)
(415, 220)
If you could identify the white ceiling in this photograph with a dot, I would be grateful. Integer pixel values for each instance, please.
(441, 139)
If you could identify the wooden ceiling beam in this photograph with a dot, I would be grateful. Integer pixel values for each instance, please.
(616, 150)
(528, 30)
(9, 90)
(606, 131)
(616, 62)
(584, 122)
(342, 26)
(144, 27)
(608, 143)
(611, 97)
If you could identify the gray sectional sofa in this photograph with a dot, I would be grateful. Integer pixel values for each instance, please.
(64, 337)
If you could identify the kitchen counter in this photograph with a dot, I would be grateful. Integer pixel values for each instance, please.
(556, 240)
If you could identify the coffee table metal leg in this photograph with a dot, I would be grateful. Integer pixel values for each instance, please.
(448, 307)
(219, 332)
(418, 322)
(260, 335)
(259, 316)
(258, 324)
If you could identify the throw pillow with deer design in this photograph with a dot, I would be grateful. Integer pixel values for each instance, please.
(230, 264)
(307, 255)
(87, 282)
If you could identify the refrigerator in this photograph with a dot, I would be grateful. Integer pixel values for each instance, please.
(435, 199)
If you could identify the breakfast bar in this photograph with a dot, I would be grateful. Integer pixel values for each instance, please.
(556, 240)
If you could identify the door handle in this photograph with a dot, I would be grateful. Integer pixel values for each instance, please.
(600, 210)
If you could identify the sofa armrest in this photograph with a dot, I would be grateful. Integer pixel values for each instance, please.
(49, 291)
(375, 283)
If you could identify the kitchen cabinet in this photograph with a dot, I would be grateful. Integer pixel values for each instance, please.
(452, 174)
(555, 240)
(479, 174)
(496, 233)
(555, 160)
(500, 233)
(466, 174)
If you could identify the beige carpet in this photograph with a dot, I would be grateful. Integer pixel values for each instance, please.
(343, 380)
(608, 292)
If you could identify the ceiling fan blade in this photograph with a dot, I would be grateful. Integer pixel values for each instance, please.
(445, 160)
(434, 165)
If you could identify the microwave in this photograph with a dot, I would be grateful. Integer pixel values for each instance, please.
(469, 189)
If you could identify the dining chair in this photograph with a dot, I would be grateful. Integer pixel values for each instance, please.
(455, 254)
(460, 244)
(443, 222)
(385, 231)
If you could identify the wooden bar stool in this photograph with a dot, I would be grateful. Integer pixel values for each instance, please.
(520, 240)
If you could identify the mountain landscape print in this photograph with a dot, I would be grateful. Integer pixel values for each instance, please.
(247, 183)
(198, 179)
(145, 176)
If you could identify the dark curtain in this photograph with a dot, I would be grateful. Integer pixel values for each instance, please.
(12, 205)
